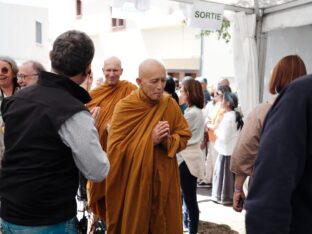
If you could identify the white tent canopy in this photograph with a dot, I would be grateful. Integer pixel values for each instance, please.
(254, 20)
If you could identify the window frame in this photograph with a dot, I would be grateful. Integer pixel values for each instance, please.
(38, 32)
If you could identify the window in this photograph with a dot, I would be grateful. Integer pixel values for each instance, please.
(38, 32)
(78, 8)
(118, 24)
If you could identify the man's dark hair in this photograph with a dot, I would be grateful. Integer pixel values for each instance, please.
(203, 80)
(224, 88)
(170, 88)
(72, 52)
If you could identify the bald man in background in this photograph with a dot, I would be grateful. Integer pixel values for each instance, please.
(104, 100)
(224, 82)
(147, 130)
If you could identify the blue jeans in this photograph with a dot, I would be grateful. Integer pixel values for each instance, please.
(189, 186)
(67, 227)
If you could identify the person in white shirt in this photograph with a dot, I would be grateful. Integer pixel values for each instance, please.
(227, 131)
(191, 160)
(213, 113)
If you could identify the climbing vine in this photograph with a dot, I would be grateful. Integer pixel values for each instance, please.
(223, 33)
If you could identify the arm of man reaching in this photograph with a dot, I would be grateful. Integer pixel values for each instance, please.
(80, 134)
(239, 195)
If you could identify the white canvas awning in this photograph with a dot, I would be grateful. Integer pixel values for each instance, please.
(251, 33)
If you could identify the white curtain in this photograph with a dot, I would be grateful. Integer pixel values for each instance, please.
(245, 61)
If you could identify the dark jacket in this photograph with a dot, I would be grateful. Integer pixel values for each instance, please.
(280, 198)
(39, 179)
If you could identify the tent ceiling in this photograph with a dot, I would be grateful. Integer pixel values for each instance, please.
(251, 3)
(253, 6)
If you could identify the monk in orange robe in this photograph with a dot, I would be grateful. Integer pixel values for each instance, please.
(147, 130)
(106, 97)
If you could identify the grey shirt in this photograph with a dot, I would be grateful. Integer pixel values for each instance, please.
(195, 119)
(80, 134)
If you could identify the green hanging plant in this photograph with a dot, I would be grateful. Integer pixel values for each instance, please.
(223, 33)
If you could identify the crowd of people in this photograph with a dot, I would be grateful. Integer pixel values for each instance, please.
(143, 149)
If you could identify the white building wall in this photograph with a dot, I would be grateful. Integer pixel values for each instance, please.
(128, 46)
(18, 32)
(218, 61)
(62, 17)
(172, 42)
(158, 33)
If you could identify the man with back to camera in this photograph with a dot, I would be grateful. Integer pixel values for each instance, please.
(280, 197)
(147, 130)
(106, 97)
(49, 135)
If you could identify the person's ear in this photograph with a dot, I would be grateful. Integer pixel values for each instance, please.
(121, 71)
(50, 54)
(88, 70)
(138, 81)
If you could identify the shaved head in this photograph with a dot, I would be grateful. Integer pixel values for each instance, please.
(112, 70)
(150, 66)
(224, 82)
(152, 78)
(112, 59)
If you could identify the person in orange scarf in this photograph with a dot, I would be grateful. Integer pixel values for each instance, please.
(106, 97)
(143, 187)
(212, 122)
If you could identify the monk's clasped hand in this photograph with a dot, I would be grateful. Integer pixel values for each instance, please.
(160, 132)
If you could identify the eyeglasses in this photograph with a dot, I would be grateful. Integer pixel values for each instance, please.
(23, 76)
(5, 70)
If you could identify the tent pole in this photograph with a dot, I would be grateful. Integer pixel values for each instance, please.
(201, 64)
(262, 48)
(261, 41)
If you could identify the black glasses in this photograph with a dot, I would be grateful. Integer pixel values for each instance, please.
(23, 76)
(4, 70)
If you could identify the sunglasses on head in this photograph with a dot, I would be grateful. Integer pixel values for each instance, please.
(4, 70)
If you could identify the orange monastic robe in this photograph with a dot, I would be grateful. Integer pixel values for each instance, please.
(216, 117)
(143, 186)
(105, 97)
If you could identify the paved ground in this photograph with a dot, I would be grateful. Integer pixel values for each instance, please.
(212, 215)
(219, 214)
